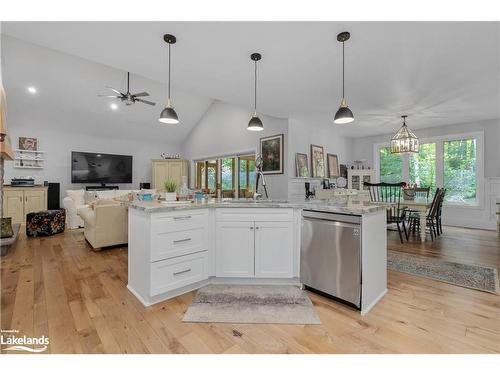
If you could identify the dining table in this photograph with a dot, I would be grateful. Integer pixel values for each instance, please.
(421, 205)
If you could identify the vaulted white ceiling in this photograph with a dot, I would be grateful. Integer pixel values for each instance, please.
(436, 72)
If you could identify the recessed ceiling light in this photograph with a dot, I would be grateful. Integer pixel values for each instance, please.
(32, 90)
(113, 106)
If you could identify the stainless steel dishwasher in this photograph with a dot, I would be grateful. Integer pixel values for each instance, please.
(330, 255)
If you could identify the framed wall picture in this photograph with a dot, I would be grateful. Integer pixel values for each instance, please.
(271, 151)
(317, 161)
(28, 143)
(333, 165)
(301, 165)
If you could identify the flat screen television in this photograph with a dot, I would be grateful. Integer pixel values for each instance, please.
(89, 167)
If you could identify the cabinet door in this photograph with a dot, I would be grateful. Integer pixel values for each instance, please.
(160, 175)
(34, 200)
(13, 205)
(176, 171)
(273, 249)
(235, 249)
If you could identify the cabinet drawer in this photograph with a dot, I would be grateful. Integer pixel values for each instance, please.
(173, 244)
(178, 221)
(254, 214)
(175, 273)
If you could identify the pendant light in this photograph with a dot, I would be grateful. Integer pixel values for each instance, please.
(404, 141)
(168, 115)
(344, 114)
(255, 124)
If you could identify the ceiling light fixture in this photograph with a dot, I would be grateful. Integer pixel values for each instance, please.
(255, 124)
(168, 115)
(344, 114)
(404, 141)
(32, 90)
(113, 106)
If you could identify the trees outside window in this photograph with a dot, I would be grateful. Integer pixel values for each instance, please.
(391, 166)
(460, 170)
(422, 166)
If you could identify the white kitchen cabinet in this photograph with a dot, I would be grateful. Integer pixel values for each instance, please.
(274, 249)
(235, 249)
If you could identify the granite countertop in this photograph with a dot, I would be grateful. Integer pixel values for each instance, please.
(343, 205)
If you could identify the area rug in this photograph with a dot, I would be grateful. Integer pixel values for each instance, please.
(275, 304)
(464, 275)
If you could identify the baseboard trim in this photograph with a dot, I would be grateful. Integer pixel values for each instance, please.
(371, 305)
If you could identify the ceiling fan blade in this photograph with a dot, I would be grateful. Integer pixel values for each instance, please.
(145, 101)
(110, 96)
(112, 89)
(144, 93)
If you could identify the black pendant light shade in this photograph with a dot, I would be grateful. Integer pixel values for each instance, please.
(168, 115)
(344, 114)
(255, 123)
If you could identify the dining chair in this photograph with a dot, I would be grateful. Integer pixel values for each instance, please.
(422, 192)
(386, 192)
(439, 223)
(431, 218)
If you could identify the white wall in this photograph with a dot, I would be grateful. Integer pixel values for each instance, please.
(474, 217)
(223, 131)
(59, 144)
(321, 131)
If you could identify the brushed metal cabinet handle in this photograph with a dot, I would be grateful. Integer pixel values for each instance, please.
(251, 227)
(184, 240)
(182, 217)
(181, 272)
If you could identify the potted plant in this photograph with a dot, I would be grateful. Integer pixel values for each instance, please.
(170, 188)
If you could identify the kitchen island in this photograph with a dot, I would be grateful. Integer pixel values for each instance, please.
(178, 247)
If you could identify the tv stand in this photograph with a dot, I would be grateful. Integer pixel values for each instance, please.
(102, 187)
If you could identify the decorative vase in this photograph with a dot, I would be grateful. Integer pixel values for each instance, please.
(170, 197)
(409, 194)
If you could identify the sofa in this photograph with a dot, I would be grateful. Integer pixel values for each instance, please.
(79, 199)
(106, 223)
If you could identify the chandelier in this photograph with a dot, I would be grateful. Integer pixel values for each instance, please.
(404, 141)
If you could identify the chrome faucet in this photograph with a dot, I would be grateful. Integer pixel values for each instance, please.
(259, 175)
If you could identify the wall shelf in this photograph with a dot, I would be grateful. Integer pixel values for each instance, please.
(29, 151)
(27, 167)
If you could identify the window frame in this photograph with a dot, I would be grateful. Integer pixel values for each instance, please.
(439, 141)
(219, 158)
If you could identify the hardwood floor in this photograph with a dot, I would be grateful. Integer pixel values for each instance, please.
(58, 287)
(463, 245)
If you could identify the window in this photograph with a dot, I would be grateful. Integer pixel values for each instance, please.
(391, 166)
(454, 162)
(247, 176)
(460, 170)
(221, 176)
(423, 166)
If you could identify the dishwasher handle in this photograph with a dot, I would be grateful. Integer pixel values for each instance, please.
(332, 222)
(332, 217)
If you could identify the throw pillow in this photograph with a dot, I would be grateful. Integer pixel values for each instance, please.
(6, 227)
(106, 194)
(90, 197)
(78, 196)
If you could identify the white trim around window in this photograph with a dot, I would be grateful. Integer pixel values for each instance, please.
(439, 140)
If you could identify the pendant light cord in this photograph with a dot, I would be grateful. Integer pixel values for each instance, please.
(343, 70)
(255, 88)
(128, 82)
(169, 72)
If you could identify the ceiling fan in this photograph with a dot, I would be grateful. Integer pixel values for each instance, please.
(128, 98)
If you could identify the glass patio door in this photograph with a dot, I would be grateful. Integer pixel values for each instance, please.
(246, 169)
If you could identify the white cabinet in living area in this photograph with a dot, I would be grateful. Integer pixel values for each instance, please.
(274, 249)
(235, 249)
